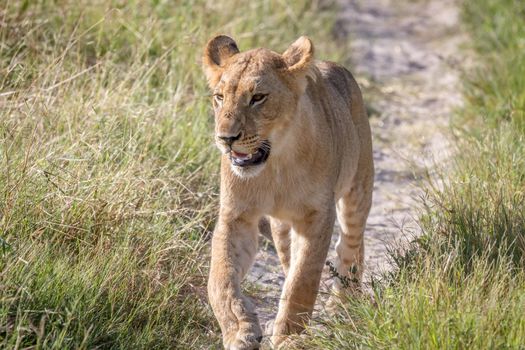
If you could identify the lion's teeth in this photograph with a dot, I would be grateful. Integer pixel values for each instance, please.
(242, 156)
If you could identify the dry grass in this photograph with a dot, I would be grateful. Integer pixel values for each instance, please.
(108, 175)
(462, 285)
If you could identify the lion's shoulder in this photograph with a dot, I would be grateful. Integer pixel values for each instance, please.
(336, 76)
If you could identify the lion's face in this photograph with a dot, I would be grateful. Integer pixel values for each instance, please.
(250, 103)
(255, 94)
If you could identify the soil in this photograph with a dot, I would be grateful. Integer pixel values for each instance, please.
(403, 54)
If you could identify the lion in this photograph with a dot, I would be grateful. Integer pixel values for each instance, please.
(296, 149)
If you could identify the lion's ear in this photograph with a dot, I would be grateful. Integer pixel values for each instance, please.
(216, 54)
(299, 55)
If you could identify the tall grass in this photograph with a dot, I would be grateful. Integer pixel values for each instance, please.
(108, 175)
(462, 283)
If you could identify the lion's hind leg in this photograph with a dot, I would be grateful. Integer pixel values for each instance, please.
(282, 241)
(352, 213)
(278, 232)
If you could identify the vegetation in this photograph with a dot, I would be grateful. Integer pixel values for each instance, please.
(108, 175)
(108, 182)
(462, 284)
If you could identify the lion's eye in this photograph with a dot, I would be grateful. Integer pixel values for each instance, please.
(258, 99)
(218, 98)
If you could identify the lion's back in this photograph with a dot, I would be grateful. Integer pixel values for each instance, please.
(346, 101)
(340, 81)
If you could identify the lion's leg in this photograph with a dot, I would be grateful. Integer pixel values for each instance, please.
(309, 246)
(352, 213)
(282, 240)
(234, 245)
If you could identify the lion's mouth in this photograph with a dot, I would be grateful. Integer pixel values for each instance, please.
(242, 159)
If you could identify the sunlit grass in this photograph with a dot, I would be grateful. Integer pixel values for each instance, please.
(462, 283)
(108, 175)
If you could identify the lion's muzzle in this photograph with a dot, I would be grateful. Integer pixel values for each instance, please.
(258, 157)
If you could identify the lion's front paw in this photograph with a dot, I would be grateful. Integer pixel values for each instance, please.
(280, 332)
(286, 342)
(248, 338)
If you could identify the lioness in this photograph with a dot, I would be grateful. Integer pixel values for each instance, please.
(297, 149)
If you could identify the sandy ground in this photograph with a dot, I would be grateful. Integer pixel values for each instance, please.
(403, 54)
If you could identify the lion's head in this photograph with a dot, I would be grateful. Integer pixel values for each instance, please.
(255, 96)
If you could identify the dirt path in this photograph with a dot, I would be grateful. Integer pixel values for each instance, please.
(402, 54)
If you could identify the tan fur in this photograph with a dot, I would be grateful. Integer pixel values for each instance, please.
(320, 165)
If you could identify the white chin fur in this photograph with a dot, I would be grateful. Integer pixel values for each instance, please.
(247, 172)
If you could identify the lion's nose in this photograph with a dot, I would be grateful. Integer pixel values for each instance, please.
(229, 140)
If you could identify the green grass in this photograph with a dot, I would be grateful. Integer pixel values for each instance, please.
(462, 284)
(108, 174)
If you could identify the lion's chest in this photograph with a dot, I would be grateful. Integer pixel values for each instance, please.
(290, 201)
